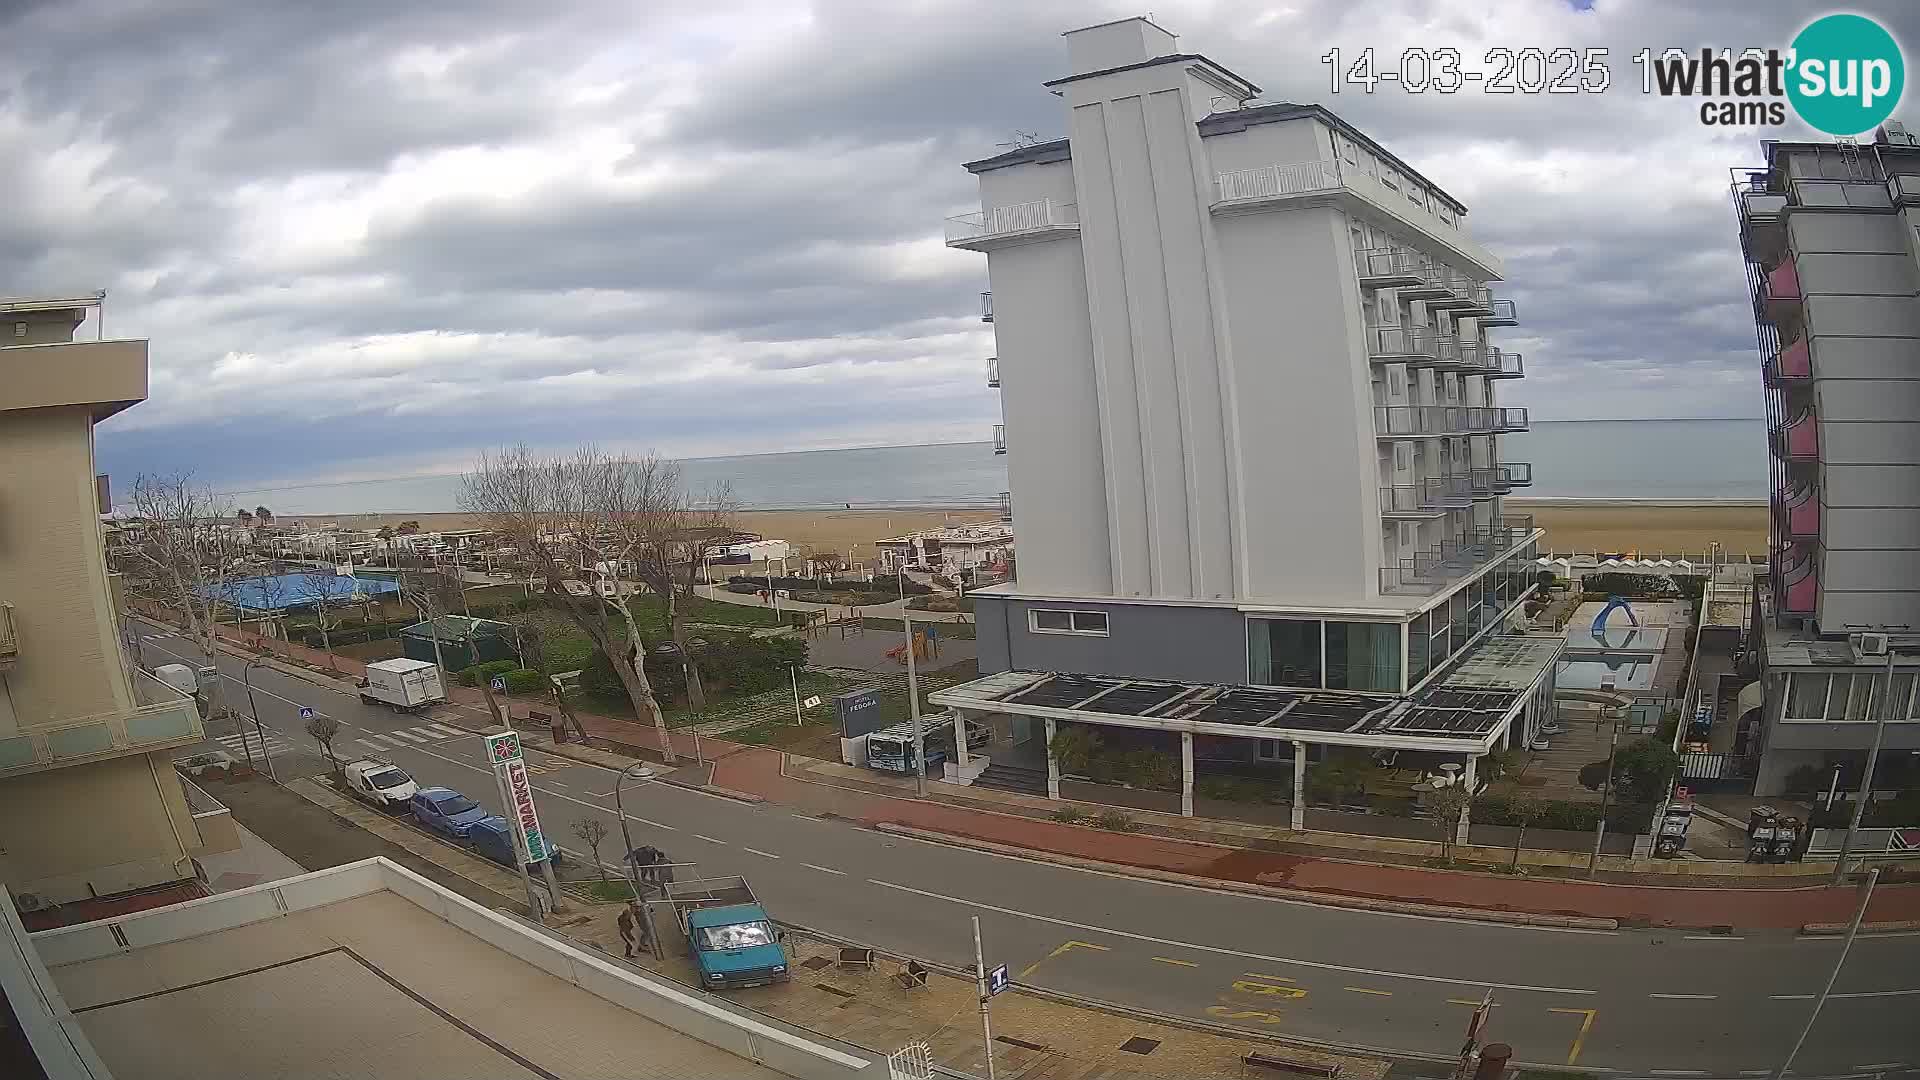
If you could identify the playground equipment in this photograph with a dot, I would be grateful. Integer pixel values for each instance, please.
(1614, 603)
(923, 648)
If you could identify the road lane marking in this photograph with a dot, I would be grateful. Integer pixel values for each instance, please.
(1881, 1065)
(1365, 990)
(1474, 1002)
(1065, 947)
(407, 735)
(757, 851)
(392, 743)
(1789, 997)
(1218, 951)
(1677, 1072)
(708, 839)
(1714, 937)
(555, 784)
(825, 869)
(1228, 1012)
(449, 732)
(1175, 963)
(804, 817)
(1580, 1038)
(1877, 993)
(1684, 997)
(1267, 989)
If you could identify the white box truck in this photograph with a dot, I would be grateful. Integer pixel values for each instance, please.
(406, 685)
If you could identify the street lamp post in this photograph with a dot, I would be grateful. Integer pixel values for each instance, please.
(1853, 930)
(1887, 707)
(793, 675)
(246, 676)
(1606, 793)
(638, 771)
(913, 709)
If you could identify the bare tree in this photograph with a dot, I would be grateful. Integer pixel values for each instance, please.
(178, 561)
(671, 545)
(318, 585)
(1448, 804)
(577, 520)
(1526, 809)
(591, 832)
(428, 590)
(324, 729)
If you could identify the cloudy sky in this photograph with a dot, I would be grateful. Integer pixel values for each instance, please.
(367, 238)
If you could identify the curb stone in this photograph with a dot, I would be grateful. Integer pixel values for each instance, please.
(1835, 929)
(1323, 899)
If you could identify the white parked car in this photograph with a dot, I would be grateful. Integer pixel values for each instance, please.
(381, 783)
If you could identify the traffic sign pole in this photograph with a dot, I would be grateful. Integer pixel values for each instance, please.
(980, 970)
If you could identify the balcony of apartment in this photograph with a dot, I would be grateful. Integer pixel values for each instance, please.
(106, 376)
(1780, 295)
(1016, 223)
(1408, 501)
(1270, 187)
(9, 640)
(1518, 473)
(1422, 421)
(986, 306)
(1504, 314)
(1797, 439)
(993, 373)
(1763, 217)
(1449, 492)
(1790, 367)
(1415, 346)
(1799, 591)
(162, 718)
(1796, 513)
(1429, 571)
(999, 438)
(1502, 364)
(1388, 267)
(1491, 483)
(1464, 298)
(1904, 190)
(1006, 506)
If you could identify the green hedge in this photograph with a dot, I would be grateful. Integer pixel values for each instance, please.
(1570, 816)
(481, 673)
(525, 681)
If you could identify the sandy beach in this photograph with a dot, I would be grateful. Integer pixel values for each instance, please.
(1572, 526)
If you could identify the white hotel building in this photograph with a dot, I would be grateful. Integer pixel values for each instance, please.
(1253, 426)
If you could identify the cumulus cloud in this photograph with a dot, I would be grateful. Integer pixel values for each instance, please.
(369, 238)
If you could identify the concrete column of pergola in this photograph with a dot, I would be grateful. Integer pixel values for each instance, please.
(960, 754)
(1470, 778)
(1299, 808)
(1186, 774)
(1053, 764)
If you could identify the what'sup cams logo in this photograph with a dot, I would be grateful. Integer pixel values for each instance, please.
(1843, 75)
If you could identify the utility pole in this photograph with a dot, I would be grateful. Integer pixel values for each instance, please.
(1887, 707)
(980, 975)
(1606, 793)
(913, 710)
(1853, 930)
(793, 675)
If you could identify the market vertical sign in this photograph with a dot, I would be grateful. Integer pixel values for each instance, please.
(510, 768)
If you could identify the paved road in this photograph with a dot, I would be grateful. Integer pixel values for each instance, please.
(1641, 1003)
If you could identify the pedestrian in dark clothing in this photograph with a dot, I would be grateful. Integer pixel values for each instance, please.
(626, 922)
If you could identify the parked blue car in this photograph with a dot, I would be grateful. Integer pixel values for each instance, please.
(492, 836)
(447, 812)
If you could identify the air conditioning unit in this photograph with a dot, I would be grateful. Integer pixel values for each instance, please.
(1895, 133)
(1870, 644)
(28, 902)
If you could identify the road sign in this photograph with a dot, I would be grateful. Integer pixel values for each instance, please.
(997, 979)
(499, 684)
(306, 712)
(810, 702)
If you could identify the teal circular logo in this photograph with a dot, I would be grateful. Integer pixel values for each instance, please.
(1845, 75)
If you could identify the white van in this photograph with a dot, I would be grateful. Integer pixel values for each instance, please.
(406, 685)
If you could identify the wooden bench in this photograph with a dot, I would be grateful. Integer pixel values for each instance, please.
(1294, 1066)
(913, 976)
(852, 958)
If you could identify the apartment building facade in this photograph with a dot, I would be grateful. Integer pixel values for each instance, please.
(1833, 264)
(1252, 410)
(90, 805)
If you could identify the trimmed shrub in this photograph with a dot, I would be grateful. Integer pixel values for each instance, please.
(525, 681)
(1115, 821)
(1069, 815)
(480, 674)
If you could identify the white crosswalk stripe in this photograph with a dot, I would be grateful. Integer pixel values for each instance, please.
(449, 732)
(237, 745)
(389, 740)
(427, 731)
(407, 735)
(373, 746)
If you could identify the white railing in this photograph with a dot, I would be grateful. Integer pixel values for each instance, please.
(1273, 181)
(999, 438)
(1015, 218)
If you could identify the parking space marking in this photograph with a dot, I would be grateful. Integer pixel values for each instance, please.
(1366, 990)
(825, 869)
(1064, 948)
(1685, 997)
(1580, 1037)
(1218, 951)
(1175, 963)
(708, 839)
(757, 851)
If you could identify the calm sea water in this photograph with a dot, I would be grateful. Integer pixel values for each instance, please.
(1691, 460)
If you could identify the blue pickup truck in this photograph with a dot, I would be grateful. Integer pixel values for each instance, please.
(729, 936)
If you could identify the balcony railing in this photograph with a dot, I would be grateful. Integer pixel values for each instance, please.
(1449, 492)
(1798, 513)
(1427, 572)
(1903, 189)
(1014, 220)
(9, 640)
(1488, 483)
(1501, 364)
(1791, 366)
(1415, 345)
(1519, 473)
(1509, 419)
(1504, 314)
(1797, 439)
(1780, 291)
(993, 372)
(999, 438)
(1415, 421)
(1273, 181)
(1407, 500)
(1389, 267)
(1800, 583)
(986, 307)
(1006, 506)
(161, 719)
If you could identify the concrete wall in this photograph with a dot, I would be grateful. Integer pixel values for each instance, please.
(95, 830)
(1862, 324)
(1148, 641)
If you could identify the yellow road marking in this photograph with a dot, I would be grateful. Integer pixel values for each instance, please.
(1228, 1012)
(1579, 1039)
(1175, 963)
(1364, 990)
(1066, 947)
(1475, 1002)
(1269, 978)
(1249, 986)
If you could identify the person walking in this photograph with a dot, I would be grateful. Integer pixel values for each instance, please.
(629, 919)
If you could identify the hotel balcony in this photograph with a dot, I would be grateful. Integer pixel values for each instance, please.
(1519, 473)
(1904, 190)
(1429, 571)
(1449, 492)
(1018, 223)
(1780, 292)
(1416, 346)
(1763, 217)
(1797, 513)
(1791, 366)
(1388, 268)
(1505, 420)
(1799, 591)
(999, 438)
(1408, 501)
(1501, 364)
(993, 372)
(1464, 298)
(1006, 506)
(162, 718)
(1494, 482)
(1504, 314)
(986, 307)
(1797, 439)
